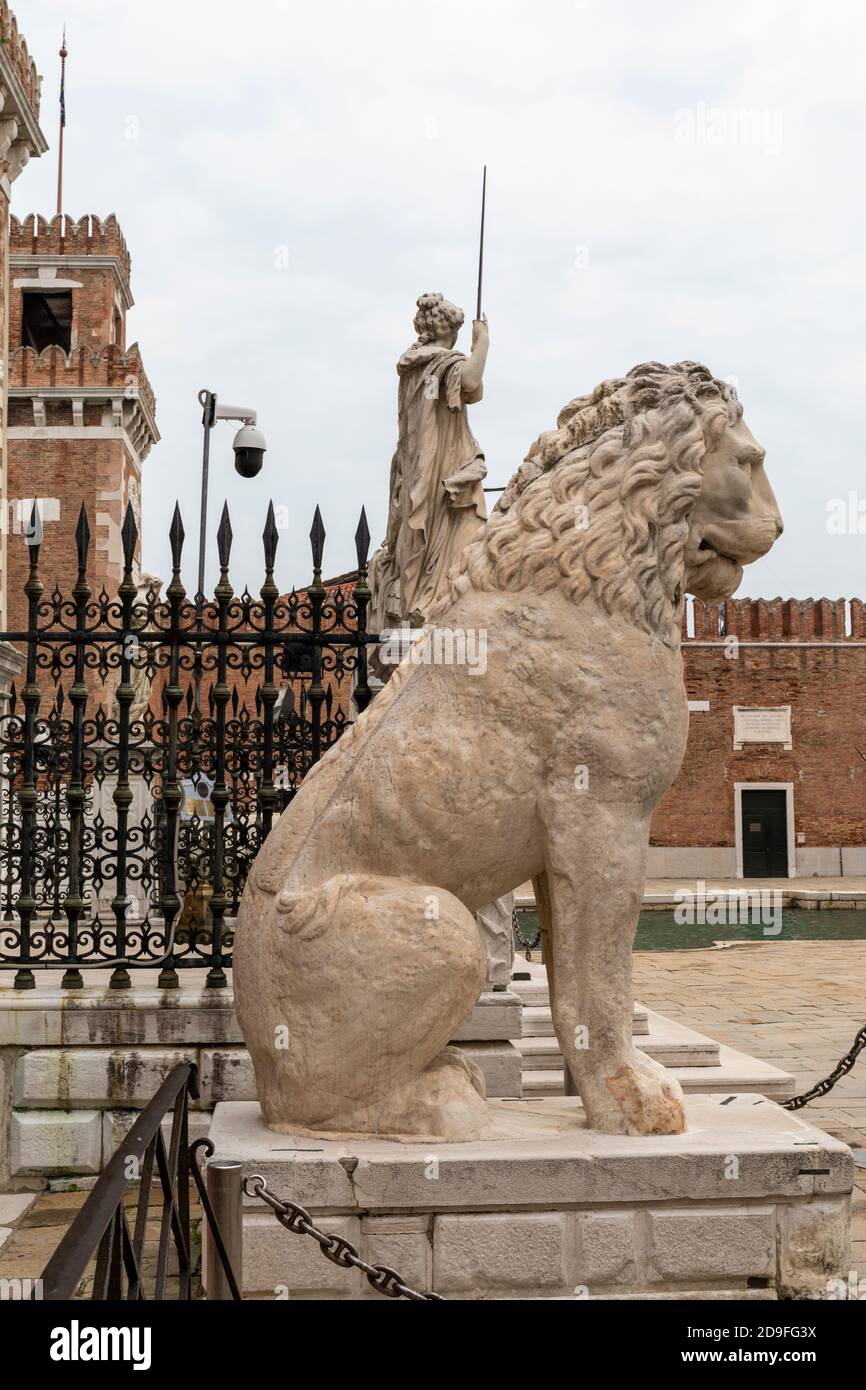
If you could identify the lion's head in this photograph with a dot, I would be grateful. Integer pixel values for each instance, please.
(735, 519)
(651, 486)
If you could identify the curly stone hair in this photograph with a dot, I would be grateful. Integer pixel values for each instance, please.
(436, 317)
(628, 458)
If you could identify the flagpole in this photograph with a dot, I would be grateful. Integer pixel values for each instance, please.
(63, 57)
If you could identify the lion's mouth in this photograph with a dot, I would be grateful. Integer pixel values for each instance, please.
(712, 550)
(712, 573)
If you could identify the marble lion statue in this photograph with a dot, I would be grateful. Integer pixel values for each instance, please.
(357, 955)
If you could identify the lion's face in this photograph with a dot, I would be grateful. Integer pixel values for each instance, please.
(735, 519)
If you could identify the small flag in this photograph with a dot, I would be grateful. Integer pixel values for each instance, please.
(63, 81)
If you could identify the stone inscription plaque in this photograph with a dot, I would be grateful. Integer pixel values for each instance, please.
(753, 724)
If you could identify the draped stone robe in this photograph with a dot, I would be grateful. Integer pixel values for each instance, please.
(436, 495)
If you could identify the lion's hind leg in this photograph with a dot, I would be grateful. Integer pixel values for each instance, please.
(372, 977)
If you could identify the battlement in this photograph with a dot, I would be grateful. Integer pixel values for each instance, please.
(776, 620)
(18, 54)
(61, 235)
(53, 369)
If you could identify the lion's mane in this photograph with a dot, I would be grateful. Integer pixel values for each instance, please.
(601, 504)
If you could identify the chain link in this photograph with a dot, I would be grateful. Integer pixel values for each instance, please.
(335, 1248)
(841, 1069)
(528, 946)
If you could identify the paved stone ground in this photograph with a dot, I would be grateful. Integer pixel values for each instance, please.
(32, 1226)
(854, 883)
(798, 1004)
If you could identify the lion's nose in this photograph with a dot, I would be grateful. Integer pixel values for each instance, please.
(780, 525)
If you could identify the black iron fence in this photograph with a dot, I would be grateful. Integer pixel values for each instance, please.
(154, 739)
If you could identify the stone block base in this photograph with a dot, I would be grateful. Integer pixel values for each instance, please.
(79, 1066)
(751, 1202)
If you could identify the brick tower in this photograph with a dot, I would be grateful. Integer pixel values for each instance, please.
(81, 412)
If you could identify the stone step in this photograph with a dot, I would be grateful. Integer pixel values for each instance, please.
(542, 1083)
(538, 1022)
(546, 1057)
(735, 1073)
(668, 1042)
(535, 995)
(531, 991)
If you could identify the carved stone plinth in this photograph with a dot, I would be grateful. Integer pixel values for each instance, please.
(751, 1202)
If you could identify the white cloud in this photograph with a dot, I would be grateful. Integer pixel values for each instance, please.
(353, 135)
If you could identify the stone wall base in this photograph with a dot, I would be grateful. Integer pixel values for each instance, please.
(751, 1202)
(77, 1067)
(720, 861)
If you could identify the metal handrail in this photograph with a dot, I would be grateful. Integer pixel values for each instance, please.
(101, 1226)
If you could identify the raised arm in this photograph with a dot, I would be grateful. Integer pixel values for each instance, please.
(472, 370)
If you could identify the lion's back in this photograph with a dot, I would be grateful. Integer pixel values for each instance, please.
(320, 784)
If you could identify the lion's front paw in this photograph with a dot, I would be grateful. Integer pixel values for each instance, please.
(639, 1097)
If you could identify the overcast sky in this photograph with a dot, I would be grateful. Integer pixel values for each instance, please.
(668, 181)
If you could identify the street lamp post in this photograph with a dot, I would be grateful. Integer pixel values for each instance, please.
(249, 446)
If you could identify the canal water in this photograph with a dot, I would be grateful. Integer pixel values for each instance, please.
(659, 931)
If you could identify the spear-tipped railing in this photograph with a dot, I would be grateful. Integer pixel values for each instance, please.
(174, 730)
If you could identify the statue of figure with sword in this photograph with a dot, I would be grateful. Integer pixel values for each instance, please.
(436, 498)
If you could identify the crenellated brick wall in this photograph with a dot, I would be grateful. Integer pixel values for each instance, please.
(777, 620)
(81, 423)
(62, 235)
(19, 55)
(109, 366)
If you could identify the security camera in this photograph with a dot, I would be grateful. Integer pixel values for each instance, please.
(249, 446)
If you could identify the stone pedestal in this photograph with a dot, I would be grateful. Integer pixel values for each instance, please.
(750, 1203)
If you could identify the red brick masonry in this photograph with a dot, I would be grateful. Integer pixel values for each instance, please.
(809, 654)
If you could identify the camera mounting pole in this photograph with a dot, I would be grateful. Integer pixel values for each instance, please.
(249, 448)
(208, 403)
(211, 412)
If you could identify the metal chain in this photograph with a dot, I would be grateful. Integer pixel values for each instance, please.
(529, 946)
(841, 1069)
(334, 1248)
